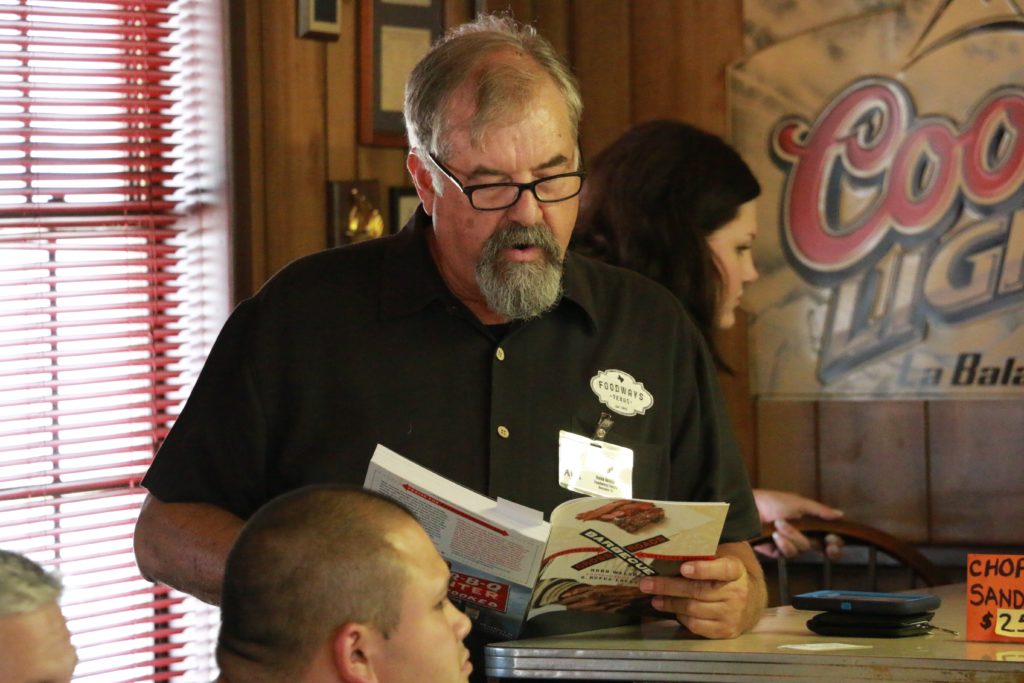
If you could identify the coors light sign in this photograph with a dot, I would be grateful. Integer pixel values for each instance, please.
(891, 149)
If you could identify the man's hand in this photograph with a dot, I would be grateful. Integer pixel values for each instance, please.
(778, 506)
(719, 598)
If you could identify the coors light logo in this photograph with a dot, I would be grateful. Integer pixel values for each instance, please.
(911, 219)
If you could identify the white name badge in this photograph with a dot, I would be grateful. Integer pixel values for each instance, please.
(595, 468)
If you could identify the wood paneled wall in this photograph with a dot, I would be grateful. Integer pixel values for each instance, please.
(941, 472)
(294, 128)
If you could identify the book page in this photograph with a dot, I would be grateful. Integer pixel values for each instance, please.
(493, 548)
(600, 548)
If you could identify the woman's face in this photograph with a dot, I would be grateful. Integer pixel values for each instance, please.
(731, 247)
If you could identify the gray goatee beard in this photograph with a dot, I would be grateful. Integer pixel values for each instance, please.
(520, 291)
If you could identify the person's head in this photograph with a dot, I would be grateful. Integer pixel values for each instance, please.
(492, 102)
(330, 583)
(35, 645)
(675, 203)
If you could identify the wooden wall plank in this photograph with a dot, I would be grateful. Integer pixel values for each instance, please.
(522, 10)
(293, 139)
(733, 345)
(680, 51)
(340, 85)
(872, 463)
(457, 12)
(601, 59)
(248, 231)
(787, 458)
(977, 471)
(553, 19)
(550, 17)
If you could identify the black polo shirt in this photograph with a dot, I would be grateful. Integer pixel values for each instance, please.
(364, 344)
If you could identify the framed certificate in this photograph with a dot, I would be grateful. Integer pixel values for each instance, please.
(393, 36)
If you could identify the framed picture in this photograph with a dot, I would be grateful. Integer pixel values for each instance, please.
(401, 205)
(353, 211)
(393, 36)
(318, 19)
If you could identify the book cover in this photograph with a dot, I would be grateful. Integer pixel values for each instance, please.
(599, 549)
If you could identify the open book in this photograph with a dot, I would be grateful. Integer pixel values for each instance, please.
(510, 566)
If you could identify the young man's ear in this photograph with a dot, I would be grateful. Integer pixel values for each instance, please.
(422, 179)
(356, 650)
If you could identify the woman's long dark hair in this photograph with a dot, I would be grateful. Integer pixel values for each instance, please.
(651, 200)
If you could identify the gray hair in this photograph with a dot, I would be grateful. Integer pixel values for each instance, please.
(500, 89)
(24, 585)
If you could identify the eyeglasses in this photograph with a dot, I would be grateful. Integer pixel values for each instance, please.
(497, 196)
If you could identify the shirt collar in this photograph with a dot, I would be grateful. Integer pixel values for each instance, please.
(577, 289)
(410, 280)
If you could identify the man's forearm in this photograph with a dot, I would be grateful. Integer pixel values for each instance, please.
(185, 545)
(758, 596)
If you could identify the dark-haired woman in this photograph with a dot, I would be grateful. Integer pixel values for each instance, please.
(677, 204)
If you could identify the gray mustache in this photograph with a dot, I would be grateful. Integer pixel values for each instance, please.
(517, 235)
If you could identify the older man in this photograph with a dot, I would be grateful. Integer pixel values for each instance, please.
(330, 583)
(34, 641)
(467, 342)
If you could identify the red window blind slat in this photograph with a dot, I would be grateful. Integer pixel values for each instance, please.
(42, 24)
(55, 225)
(52, 518)
(140, 60)
(161, 649)
(102, 315)
(64, 533)
(62, 209)
(109, 453)
(143, 276)
(86, 77)
(158, 376)
(134, 678)
(139, 590)
(139, 8)
(136, 119)
(75, 144)
(40, 505)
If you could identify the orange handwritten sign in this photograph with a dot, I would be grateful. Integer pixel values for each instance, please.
(995, 598)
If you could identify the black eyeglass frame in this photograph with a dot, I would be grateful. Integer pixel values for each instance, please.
(468, 190)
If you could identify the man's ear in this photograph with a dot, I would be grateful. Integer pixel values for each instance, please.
(422, 179)
(355, 648)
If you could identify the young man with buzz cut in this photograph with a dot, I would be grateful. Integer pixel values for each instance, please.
(330, 583)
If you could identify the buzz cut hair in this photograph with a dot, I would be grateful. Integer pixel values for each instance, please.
(306, 563)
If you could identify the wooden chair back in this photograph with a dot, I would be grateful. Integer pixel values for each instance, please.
(872, 560)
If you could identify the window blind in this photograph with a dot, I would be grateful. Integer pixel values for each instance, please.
(103, 307)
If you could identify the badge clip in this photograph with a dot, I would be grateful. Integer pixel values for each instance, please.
(604, 424)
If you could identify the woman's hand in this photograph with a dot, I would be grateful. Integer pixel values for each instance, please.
(778, 506)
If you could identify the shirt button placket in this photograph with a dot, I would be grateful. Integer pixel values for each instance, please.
(503, 393)
(502, 429)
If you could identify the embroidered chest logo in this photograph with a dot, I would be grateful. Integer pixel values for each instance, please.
(621, 392)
